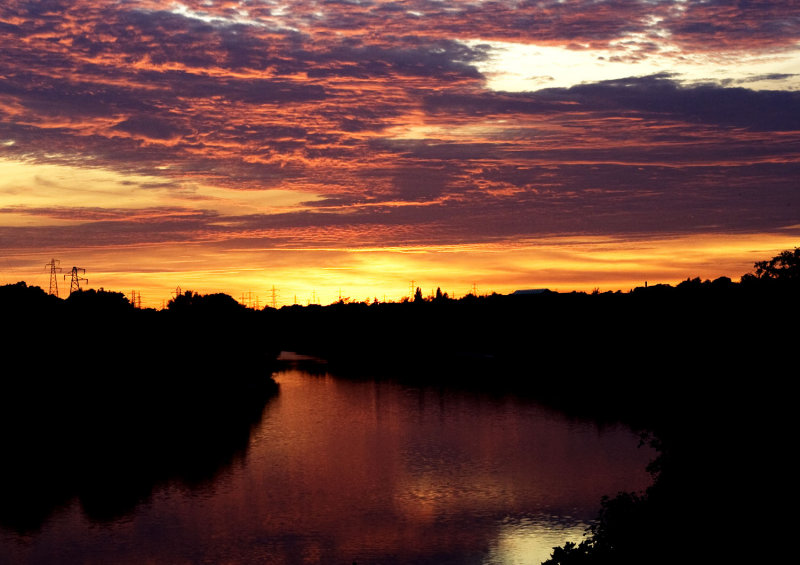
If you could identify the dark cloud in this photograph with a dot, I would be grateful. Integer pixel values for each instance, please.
(156, 128)
(109, 227)
(489, 103)
(657, 96)
(766, 77)
(420, 183)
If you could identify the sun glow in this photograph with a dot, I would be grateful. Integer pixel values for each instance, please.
(324, 275)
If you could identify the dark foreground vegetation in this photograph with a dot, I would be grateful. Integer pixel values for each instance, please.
(722, 482)
(104, 402)
(704, 369)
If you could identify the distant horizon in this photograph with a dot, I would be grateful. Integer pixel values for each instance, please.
(253, 298)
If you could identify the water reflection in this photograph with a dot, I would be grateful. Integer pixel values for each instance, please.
(111, 451)
(530, 539)
(342, 471)
(424, 474)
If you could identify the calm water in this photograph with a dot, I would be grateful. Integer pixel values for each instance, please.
(341, 471)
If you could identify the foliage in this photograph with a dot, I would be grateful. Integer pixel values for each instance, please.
(785, 267)
(634, 528)
(99, 301)
(20, 295)
(207, 303)
(623, 534)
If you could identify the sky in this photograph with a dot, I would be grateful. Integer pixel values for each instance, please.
(310, 150)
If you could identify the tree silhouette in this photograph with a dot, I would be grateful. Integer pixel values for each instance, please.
(784, 266)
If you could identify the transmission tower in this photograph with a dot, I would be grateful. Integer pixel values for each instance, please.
(54, 269)
(136, 299)
(274, 297)
(247, 299)
(75, 279)
(176, 294)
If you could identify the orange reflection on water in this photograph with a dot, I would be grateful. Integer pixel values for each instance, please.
(387, 470)
(342, 471)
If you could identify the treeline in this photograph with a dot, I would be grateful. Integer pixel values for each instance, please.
(656, 334)
(95, 344)
(100, 332)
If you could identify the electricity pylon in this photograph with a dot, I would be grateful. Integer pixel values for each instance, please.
(136, 299)
(54, 268)
(247, 299)
(75, 279)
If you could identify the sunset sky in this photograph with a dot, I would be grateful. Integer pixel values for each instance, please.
(354, 146)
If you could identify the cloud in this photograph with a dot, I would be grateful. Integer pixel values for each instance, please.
(718, 24)
(658, 96)
(151, 127)
(378, 113)
(764, 77)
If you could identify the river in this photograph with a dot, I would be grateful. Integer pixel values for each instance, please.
(341, 471)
